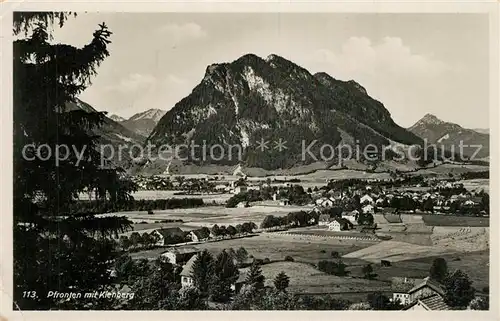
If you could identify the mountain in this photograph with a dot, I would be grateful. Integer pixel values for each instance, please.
(450, 136)
(253, 99)
(144, 123)
(117, 118)
(482, 130)
(112, 136)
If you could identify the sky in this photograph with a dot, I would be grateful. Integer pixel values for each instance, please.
(413, 63)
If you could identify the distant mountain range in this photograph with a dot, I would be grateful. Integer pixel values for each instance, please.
(441, 133)
(253, 99)
(141, 123)
(112, 133)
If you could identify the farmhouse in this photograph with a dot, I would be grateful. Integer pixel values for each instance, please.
(366, 199)
(426, 288)
(187, 271)
(284, 202)
(340, 224)
(197, 236)
(368, 209)
(239, 189)
(179, 255)
(165, 235)
(243, 204)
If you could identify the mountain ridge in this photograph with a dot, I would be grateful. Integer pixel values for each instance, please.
(252, 98)
(450, 135)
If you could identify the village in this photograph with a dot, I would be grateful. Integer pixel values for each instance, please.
(371, 225)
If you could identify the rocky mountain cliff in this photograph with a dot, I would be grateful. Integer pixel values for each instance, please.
(450, 135)
(253, 99)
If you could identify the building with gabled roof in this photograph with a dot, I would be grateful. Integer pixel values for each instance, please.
(187, 272)
(425, 288)
(433, 302)
(179, 255)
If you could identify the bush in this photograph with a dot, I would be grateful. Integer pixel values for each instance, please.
(266, 261)
(486, 289)
(323, 251)
(288, 258)
(335, 254)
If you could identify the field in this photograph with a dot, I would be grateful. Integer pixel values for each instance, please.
(210, 215)
(305, 278)
(449, 220)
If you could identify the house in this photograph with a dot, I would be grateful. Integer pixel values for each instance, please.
(340, 224)
(284, 202)
(168, 235)
(242, 204)
(239, 189)
(401, 286)
(187, 271)
(368, 209)
(198, 236)
(324, 202)
(179, 255)
(334, 226)
(220, 187)
(432, 302)
(366, 199)
(350, 217)
(425, 288)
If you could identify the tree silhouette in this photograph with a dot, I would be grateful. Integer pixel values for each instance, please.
(70, 254)
(203, 272)
(225, 275)
(255, 277)
(281, 281)
(439, 269)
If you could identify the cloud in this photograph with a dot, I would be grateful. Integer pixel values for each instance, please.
(182, 32)
(390, 58)
(133, 83)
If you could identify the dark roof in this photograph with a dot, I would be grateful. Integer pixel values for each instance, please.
(429, 283)
(187, 270)
(434, 302)
(169, 232)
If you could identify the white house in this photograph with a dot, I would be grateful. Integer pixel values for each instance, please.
(239, 189)
(186, 274)
(368, 209)
(366, 199)
(324, 202)
(334, 226)
(402, 297)
(179, 255)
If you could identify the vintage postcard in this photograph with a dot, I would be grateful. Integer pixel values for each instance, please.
(243, 157)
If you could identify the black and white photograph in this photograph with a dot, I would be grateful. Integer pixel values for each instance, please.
(237, 161)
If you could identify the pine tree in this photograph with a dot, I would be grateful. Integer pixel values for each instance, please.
(66, 254)
(439, 269)
(225, 275)
(281, 281)
(255, 277)
(203, 272)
